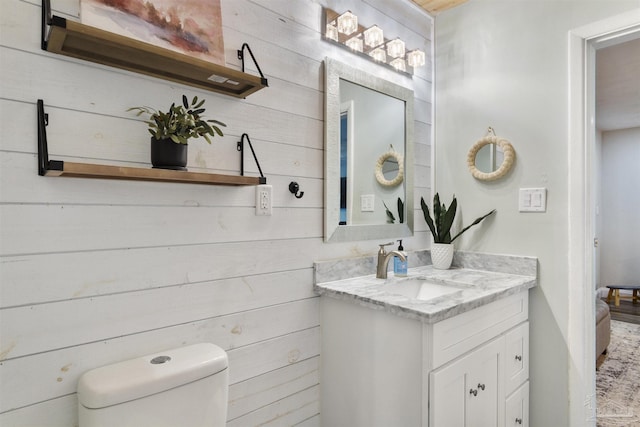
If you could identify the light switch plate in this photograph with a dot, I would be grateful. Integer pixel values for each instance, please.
(367, 202)
(532, 200)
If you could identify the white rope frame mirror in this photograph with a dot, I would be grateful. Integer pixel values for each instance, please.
(507, 149)
(391, 154)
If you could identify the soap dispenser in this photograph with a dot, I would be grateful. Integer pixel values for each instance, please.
(400, 266)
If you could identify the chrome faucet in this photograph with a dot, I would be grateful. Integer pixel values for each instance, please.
(383, 259)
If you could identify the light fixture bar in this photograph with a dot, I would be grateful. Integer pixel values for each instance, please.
(345, 30)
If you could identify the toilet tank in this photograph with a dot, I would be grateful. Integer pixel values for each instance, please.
(183, 387)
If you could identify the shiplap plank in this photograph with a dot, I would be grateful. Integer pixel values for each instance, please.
(66, 323)
(258, 392)
(422, 133)
(285, 412)
(54, 228)
(20, 183)
(256, 359)
(291, 70)
(107, 140)
(310, 422)
(60, 412)
(292, 66)
(259, 21)
(266, 123)
(52, 374)
(35, 279)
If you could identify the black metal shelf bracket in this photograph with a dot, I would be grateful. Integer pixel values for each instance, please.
(44, 164)
(240, 148)
(241, 57)
(46, 20)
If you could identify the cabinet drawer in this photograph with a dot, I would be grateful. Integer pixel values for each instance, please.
(516, 357)
(517, 407)
(459, 334)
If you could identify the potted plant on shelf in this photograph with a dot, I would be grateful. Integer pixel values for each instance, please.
(171, 131)
(440, 226)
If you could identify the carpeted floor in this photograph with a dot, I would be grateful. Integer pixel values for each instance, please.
(618, 378)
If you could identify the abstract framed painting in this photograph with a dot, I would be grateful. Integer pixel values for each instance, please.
(191, 27)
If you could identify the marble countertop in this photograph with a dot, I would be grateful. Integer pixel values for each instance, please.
(473, 288)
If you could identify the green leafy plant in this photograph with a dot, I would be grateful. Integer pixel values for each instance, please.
(181, 122)
(392, 219)
(440, 224)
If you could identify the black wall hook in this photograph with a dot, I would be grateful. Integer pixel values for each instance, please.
(294, 188)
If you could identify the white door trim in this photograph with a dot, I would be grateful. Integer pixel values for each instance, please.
(581, 328)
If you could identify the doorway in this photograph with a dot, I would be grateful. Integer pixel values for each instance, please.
(583, 43)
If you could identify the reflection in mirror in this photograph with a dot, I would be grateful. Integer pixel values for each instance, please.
(489, 158)
(366, 118)
(390, 169)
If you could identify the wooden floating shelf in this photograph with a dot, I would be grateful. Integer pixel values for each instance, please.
(87, 170)
(81, 41)
(54, 168)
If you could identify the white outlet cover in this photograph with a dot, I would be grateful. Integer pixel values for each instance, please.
(264, 195)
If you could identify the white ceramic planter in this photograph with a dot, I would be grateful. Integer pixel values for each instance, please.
(441, 255)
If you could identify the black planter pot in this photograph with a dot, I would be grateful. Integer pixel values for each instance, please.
(166, 154)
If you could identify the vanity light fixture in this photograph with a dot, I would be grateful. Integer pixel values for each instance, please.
(355, 43)
(373, 36)
(347, 23)
(346, 32)
(378, 54)
(331, 32)
(399, 64)
(416, 58)
(395, 48)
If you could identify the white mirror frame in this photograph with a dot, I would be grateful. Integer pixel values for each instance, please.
(333, 232)
(507, 163)
(398, 158)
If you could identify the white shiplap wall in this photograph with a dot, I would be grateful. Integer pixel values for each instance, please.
(93, 272)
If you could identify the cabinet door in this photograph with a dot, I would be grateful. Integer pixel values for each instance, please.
(516, 357)
(517, 407)
(467, 391)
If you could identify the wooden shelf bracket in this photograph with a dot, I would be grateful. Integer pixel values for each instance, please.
(47, 167)
(74, 39)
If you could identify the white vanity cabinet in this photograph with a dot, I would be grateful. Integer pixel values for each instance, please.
(466, 392)
(517, 407)
(487, 386)
(379, 368)
(480, 361)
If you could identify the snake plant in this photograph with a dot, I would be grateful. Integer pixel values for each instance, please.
(392, 219)
(440, 224)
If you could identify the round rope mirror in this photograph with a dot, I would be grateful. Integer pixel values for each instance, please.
(508, 152)
(388, 164)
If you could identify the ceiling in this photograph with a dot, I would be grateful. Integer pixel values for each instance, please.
(435, 6)
(618, 86)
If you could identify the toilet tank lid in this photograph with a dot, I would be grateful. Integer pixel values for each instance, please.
(147, 375)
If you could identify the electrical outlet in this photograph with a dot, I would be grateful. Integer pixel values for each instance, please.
(263, 200)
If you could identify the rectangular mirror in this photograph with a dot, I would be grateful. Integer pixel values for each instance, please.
(368, 156)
